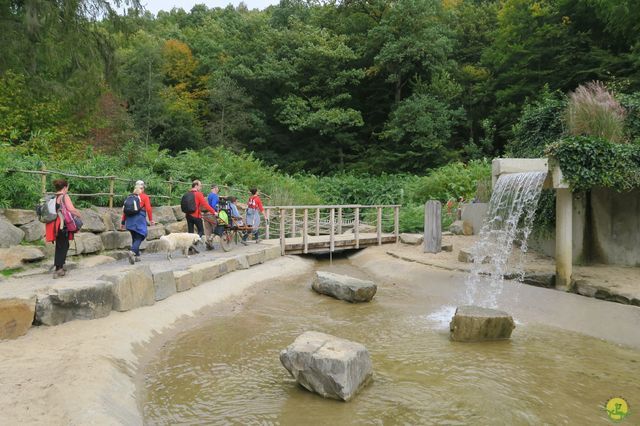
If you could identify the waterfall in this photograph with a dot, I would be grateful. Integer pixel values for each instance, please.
(510, 217)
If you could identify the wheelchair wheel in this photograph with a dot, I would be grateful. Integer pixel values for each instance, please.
(225, 240)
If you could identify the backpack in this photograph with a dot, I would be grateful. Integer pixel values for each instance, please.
(188, 202)
(223, 218)
(46, 210)
(131, 206)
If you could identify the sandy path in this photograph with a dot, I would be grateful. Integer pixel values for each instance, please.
(81, 372)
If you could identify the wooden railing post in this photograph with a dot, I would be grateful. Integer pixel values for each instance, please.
(112, 181)
(379, 225)
(267, 222)
(339, 220)
(318, 222)
(356, 229)
(432, 227)
(283, 242)
(170, 190)
(43, 180)
(293, 223)
(396, 223)
(332, 218)
(305, 231)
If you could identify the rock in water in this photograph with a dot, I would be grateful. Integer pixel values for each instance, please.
(343, 287)
(328, 365)
(476, 324)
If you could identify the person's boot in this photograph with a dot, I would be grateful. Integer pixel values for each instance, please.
(59, 273)
(131, 255)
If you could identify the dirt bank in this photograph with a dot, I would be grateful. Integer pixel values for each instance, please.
(82, 372)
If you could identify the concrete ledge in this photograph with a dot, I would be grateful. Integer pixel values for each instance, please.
(184, 280)
(164, 284)
(132, 288)
(16, 316)
(63, 304)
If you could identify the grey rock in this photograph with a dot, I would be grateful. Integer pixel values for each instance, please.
(91, 221)
(327, 365)
(343, 287)
(272, 252)
(17, 256)
(584, 288)
(184, 280)
(546, 280)
(178, 213)
(63, 304)
(467, 257)
(164, 284)
(9, 234)
(164, 214)
(176, 227)
(113, 240)
(413, 239)
(155, 246)
(132, 288)
(461, 227)
(242, 262)
(447, 247)
(255, 258)
(85, 243)
(476, 324)
(20, 217)
(155, 232)
(33, 231)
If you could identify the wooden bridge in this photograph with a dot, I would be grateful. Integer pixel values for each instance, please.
(325, 229)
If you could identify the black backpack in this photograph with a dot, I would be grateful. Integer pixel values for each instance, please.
(188, 202)
(131, 206)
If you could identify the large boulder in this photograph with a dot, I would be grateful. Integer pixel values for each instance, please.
(114, 240)
(164, 284)
(327, 365)
(91, 221)
(164, 214)
(413, 239)
(476, 324)
(17, 256)
(176, 227)
(344, 287)
(110, 217)
(85, 243)
(178, 213)
(155, 232)
(132, 288)
(20, 217)
(9, 234)
(16, 316)
(67, 302)
(33, 231)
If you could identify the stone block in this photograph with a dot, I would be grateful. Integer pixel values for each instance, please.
(164, 214)
(9, 234)
(546, 280)
(86, 243)
(461, 227)
(96, 260)
(132, 288)
(413, 239)
(242, 262)
(110, 217)
(183, 280)
(66, 303)
(204, 272)
(344, 287)
(327, 365)
(272, 252)
(16, 316)
(33, 231)
(474, 214)
(19, 217)
(176, 227)
(155, 232)
(17, 256)
(255, 258)
(91, 221)
(466, 256)
(447, 247)
(164, 284)
(476, 324)
(178, 213)
(113, 240)
(155, 246)
(584, 288)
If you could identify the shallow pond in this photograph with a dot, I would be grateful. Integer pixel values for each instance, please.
(224, 367)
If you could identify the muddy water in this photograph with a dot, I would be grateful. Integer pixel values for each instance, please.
(225, 369)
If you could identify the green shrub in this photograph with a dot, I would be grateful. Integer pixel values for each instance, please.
(452, 181)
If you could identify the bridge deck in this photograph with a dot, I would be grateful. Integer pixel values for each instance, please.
(321, 244)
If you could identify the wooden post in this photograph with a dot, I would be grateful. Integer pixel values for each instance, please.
(293, 223)
(332, 217)
(43, 180)
(112, 181)
(396, 223)
(283, 242)
(432, 227)
(356, 226)
(379, 225)
(170, 190)
(318, 222)
(339, 220)
(267, 222)
(305, 232)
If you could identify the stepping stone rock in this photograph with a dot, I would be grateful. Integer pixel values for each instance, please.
(164, 214)
(327, 365)
(91, 221)
(155, 232)
(9, 234)
(66, 303)
(465, 256)
(33, 231)
(476, 324)
(413, 239)
(132, 288)
(19, 216)
(114, 240)
(447, 247)
(184, 280)
(461, 227)
(178, 213)
(164, 284)
(17, 256)
(85, 242)
(344, 287)
(176, 227)
(16, 316)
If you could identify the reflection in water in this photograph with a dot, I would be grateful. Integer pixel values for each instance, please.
(226, 370)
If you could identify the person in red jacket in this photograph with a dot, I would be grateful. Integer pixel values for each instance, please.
(56, 232)
(195, 218)
(145, 200)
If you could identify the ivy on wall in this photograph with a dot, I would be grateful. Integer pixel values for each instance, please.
(588, 162)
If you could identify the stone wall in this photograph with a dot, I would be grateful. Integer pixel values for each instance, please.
(22, 235)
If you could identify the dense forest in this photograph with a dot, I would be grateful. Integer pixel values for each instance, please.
(360, 86)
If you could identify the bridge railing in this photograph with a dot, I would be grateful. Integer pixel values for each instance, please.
(331, 220)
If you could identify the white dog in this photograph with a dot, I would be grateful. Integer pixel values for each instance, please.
(179, 240)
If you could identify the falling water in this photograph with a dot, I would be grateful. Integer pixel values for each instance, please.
(510, 217)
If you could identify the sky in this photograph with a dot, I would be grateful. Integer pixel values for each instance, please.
(154, 6)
